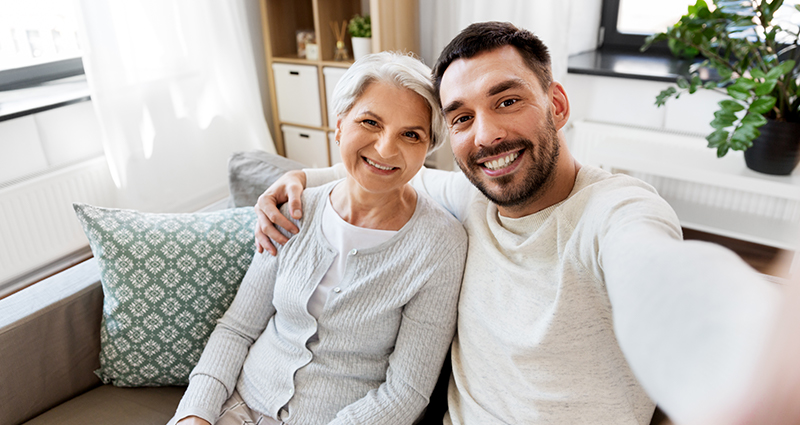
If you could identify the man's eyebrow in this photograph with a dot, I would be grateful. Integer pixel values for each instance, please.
(505, 85)
(452, 106)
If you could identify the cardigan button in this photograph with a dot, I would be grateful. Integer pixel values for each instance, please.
(354, 252)
(337, 289)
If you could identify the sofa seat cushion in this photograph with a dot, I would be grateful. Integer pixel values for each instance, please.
(107, 404)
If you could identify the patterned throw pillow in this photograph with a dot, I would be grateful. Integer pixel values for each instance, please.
(166, 280)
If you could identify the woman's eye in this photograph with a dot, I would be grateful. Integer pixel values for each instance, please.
(370, 122)
(411, 135)
(508, 102)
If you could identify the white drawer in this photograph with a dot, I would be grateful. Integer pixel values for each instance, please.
(306, 146)
(332, 76)
(297, 91)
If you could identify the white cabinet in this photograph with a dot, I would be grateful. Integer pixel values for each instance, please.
(332, 76)
(297, 90)
(306, 145)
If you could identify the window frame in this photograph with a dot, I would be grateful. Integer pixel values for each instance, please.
(33, 75)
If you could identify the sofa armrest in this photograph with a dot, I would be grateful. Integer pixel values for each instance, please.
(50, 342)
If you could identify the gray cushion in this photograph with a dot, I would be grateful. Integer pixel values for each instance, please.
(251, 173)
(117, 406)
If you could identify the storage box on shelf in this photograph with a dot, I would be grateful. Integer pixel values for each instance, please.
(301, 88)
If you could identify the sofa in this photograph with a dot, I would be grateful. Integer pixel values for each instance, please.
(50, 335)
(50, 339)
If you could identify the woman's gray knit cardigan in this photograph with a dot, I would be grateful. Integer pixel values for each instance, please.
(382, 337)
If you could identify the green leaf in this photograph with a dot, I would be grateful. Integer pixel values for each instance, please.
(662, 97)
(723, 119)
(781, 69)
(745, 83)
(742, 137)
(682, 83)
(765, 87)
(758, 73)
(738, 92)
(709, 85)
(724, 72)
(721, 151)
(755, 120)
(731, 106)
(717, 138)
(762, 105)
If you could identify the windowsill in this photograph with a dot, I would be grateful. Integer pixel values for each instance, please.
(624, 63)
(54, 94)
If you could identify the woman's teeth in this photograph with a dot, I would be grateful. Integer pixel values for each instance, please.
(380, 167)
(501, 162)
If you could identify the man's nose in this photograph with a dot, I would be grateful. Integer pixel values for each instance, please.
(488, 131)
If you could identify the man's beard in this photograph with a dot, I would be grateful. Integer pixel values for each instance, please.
(537, 178)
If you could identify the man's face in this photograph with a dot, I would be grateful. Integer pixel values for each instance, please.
(501, 126)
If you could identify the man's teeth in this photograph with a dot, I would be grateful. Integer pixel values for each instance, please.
(501, 162)
(380, 167)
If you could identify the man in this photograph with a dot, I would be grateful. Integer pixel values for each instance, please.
(580, 302)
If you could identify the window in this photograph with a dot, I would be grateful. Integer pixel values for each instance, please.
(38, 42)
(626, 23)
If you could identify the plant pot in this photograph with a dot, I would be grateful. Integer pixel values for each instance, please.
(776, 150)
(362, 46)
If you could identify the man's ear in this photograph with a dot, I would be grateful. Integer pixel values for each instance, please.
(560, 104)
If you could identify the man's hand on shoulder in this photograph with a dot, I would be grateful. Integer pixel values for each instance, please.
(287, 188)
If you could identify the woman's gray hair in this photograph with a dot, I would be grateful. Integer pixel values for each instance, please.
(400, 70)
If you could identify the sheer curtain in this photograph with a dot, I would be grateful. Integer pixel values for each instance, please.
(566, 26)
(173, 84)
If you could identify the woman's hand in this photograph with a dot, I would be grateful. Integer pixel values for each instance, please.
(287, 188)
(193, 420)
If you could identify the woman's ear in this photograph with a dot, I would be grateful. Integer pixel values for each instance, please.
(559, 104)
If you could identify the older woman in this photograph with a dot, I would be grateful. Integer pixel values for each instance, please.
(351, 321)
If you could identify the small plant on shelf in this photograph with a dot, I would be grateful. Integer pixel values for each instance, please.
(755, 57)
(360, 26)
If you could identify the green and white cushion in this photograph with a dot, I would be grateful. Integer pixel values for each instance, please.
(166, 280)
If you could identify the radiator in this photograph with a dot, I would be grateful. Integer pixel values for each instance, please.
(710, 194)
(39, 233)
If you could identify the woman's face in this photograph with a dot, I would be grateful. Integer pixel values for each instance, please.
(384, 138)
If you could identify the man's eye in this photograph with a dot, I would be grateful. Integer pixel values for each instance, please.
(508, 102)
(462, 119)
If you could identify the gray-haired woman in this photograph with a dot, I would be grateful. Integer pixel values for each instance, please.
(351, 321)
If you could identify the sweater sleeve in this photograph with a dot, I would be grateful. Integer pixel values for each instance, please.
(426, 331)
(449, 189)
(213, 379)
(690, 316)
(319, 176)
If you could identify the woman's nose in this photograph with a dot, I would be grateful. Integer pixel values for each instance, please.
(386, 146)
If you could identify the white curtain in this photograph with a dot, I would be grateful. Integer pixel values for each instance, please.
(565, 26)
(173, 84)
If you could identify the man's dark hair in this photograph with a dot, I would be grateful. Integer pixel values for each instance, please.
(486, 36)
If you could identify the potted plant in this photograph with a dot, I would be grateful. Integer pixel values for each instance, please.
(360, 29)
(757, 62)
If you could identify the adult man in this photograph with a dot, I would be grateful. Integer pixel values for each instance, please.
(578, 293)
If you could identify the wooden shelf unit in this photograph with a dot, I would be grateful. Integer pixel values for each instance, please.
(395, 26)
